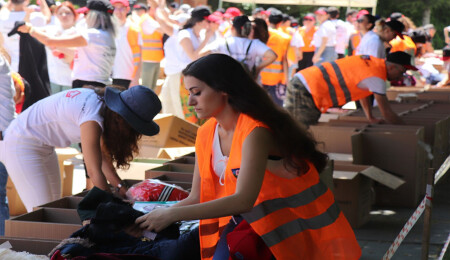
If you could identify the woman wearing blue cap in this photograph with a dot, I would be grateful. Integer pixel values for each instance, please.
(107, 122)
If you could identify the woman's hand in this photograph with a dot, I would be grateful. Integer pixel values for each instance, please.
(156, 220)
(26, 28)
(315, 58)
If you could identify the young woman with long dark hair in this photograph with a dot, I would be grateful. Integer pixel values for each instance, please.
(256, 163)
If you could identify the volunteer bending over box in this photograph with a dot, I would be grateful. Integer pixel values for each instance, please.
(108, 123)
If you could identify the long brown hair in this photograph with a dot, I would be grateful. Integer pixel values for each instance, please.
(296, 144)
(120, 140)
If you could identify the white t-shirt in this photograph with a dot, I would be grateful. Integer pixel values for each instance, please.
(56, 120)
(7, 92)
(94, 62)
(123, 63)
(149, 26)
(189, 34)
(326, 29)
(371, 44)
(374, 84)
(238, 46)
(341, 35)
(58, 70)
(11, 44)
(172, 53)
(297, 40)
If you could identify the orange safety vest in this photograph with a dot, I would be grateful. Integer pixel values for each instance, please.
(334, 84)
(133, 40)
(307, 38)
(273, 73)
(152, 49)
(403, 45)
(297, 218)
(355, 39)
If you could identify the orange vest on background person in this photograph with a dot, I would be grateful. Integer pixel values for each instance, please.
(273, 73)
(152, 48)
(307, 38)
(334, 84)
(291, 50)
(355, 39)
(133, 39)
(403, 45)
(297, 218)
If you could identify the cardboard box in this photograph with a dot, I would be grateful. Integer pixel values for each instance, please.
(174, 132)
(354, 192)
(33, 246)
(182, 160)
(399, 152)
(137, 169)
(44, 223)
(335, 139)
(63, 203)
(176, 172)
(15, 204)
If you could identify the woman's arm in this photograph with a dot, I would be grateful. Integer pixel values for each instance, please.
(192, 53)
(74, 40)
(254, 160)
(268, 57)
(110, 172)
(90, 141)
(321, 49)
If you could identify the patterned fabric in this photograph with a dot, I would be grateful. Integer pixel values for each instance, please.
(276, 92)
(300, 104)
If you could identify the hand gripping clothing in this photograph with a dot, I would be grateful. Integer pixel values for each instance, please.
(297, 218)
(334, 84)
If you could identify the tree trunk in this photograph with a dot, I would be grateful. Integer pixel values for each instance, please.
(426, 13)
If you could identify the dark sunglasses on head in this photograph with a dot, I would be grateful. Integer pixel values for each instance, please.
(360, 20)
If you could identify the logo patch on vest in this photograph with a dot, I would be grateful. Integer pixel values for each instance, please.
(235, 172)
(365, 57)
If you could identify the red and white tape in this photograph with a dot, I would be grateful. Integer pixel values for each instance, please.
(442, 170)
(416, 215)
(444, 249)
(405, 230)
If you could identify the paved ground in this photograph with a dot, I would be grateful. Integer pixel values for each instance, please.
(385, 223)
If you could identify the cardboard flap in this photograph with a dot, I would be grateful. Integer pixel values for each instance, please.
(345, 157)
(383, 177)
(344, 175)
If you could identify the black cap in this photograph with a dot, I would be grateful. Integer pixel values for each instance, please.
(397, 27)
(402, 58)
(240, 21)
(200, 12)
(100, 5)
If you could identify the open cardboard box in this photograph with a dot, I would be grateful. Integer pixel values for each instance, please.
(44, 223)
(354, 192)
(174, 132)
(399, 152)
(336, 139)
(33, 246)
(180, 172)
(63, 203)
(182, 160)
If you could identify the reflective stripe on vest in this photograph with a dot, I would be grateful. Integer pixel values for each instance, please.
(331, 89)
(269, 206)
(299, 225)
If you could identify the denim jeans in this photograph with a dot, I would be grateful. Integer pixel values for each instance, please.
(4, 210)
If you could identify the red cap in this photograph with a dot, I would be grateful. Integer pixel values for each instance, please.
(244, 243)
(321, 10)
(214, 18)
(217, 13)
(82, 10)
(361, 13)
(233, 11)
(309, 17)
(266, 12)
(124, 2)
